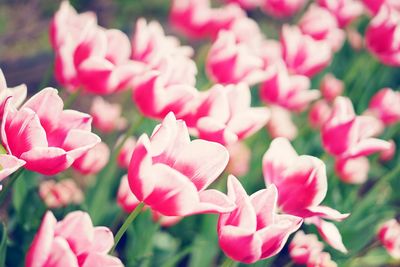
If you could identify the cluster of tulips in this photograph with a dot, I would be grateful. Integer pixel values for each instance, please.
(206, 139)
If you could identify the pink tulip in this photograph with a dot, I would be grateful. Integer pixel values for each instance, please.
(239, 159)
(356, 40)
(48, 138)
(125, 154)
(345, 11)
(299, 54)
(320, 24)
(288, 91)
(389, 236)
(17, 93)
(331, 87)
(60, 194)
(170, 173)
(246, 4)
(106, 116)
(322, 259)
(254, 231)
(128, 202)
(319, 113)
(281, 123)
(282, 8)
(232, 61)
(72, 242)
(381, 36)
(352, 171)
(375, 5)
(301, 181)
(223, 114)
(94, 160)
(8, 165)
(388, 154)
(347, 135)
(385, 105)
(303, 247)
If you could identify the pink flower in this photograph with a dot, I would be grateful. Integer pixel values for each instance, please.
(239, 159)
(288, 91)
(375, 5)
(60, 194)
(352, 171)
(128, 202)
(17, 93)
(299, 52)
(301, 181)
(388, 154)
(322, 259)
(223, 114)
(303, 247)
(381, 36)
(254, 231)
(355, 39)
(320, 24)
(385, 105)
(282, 8)
(48, 138)
(319, 113)
(233, 61)
(170, 173)
(331, 87)
(345, 11)
(92, 161)
(72, 242)
(281, 123)
(106, 116)
(389, 236)
(125, 154)
(347, 135)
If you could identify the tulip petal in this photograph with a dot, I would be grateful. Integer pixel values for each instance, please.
(330, 234)
(103, 260)
(77, 142)
(61, 255)
(213, 201)
(103, 240)
(9, 164)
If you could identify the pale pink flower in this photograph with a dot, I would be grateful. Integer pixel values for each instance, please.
(60, 194)
(170, 173)
(385, 105)
(319, 113)
(254, 230)
(72, 242)
(303, 246)
(239, 159)
(281, 123)
(282, 8)
(106, 116)
(345, 11)
(331, 87)
(17, 94)
(352, 171)
(322, 259)
(389, 236)
(388, 154)
(356, 40)
(94, 160)
(48, 138)
(125, 154)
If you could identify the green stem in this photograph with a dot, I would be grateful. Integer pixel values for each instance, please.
(126, 224)
(71, 99)
(7, 187)
(178, 257)
(228, 262)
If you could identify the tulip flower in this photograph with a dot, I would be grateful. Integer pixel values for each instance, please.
(322, 259)
(128, 202)
(381, 36)
(320, 24)
(356, 40)
(72, 242)
(223, 114)
(389, 236)
(352, 171)
(331, 87)
(388, 154)
(375, 5)
(125, 154)
(385, 105)
(319, 113)
(92, 161)
(17, 93)
(107, 116)
(281, 123)
(239, 159)
(254, 231)
(170, 173)
(60, 194)
(303, 247)
(347, 135)
(232, 61)
(345, 11)
(282, 8)
(288, 91)
(299, 52)
(48, 138)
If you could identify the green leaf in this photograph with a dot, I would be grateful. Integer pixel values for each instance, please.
(3, 244)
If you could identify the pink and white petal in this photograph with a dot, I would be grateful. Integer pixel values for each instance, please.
(215, 104)
(214, 201)
(140, 173)
(173, 194)
(103, 260)
(78, 142)
(46, 160)
(41, 246)
(77, 229)
(18, 94)
(94, 73)
(118, 46)
(248, 122)
(264, 203)
(61, 255)
(239, 98)
(367, 147)
(202, 162)
(213, 130)
(73, 119)
(103, 240)
(327, 213)
(48, 106)
(279, 156)
(330, 234)
(9, 164)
